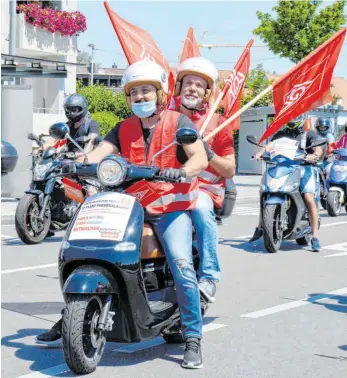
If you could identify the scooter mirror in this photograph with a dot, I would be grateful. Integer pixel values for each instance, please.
(186, 135)
(252, 139)
(59, 130)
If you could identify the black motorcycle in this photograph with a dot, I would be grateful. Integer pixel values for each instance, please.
(50, 202)
(113, 273)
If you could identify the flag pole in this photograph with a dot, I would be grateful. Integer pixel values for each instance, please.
(225, 89)
(238, 113)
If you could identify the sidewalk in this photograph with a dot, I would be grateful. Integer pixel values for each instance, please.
(247, 192)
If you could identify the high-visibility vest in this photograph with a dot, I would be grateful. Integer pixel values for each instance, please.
(157, 197)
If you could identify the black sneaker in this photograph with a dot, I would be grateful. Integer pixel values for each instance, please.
(192, 355)
(258, 233)
(208, 290)
(52, 337)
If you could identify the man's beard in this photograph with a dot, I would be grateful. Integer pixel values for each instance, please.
(192, 104)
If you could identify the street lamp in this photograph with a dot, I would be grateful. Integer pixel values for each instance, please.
(92, 46)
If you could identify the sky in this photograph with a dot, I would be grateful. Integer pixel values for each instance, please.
(225, 22)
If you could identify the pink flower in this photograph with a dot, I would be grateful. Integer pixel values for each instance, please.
(67, 23)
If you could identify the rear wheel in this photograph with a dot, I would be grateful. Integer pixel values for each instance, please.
(334, 204)
(83, 343)
(305, 240)
(271, 224)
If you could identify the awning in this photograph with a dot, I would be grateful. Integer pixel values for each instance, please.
(24, 66)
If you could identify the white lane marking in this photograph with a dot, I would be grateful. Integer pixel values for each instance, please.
(333, 224)
(135, 347)
(342, 247)
(50, 372)
(7, 237)
(8, 271)
(334, 255)
(294, 304)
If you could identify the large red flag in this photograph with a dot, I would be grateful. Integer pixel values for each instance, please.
(305, 84)
(137, 44)
(236, 82)
(190, 48)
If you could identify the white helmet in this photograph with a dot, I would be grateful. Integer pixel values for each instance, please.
(146, 72)
(198, 66)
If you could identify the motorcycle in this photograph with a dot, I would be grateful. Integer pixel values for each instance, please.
(50, 202)
(114, 276)
(283, 211)
(337, 183)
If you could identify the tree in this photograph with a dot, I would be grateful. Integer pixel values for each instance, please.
(105, 106)
(83, 57)
(300, 26)
(256, 82)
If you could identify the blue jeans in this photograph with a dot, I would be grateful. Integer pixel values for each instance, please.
(204, 221)
(174, 230)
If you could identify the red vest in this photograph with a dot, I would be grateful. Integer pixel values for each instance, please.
(157, 197)
(209, 180)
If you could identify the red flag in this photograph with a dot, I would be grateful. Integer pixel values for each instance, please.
(137, 44)
(305, 84)
(190, 48)
(236, 82)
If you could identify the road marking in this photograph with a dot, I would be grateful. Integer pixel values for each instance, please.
(336, 247)
(50, 372)
(333, 224)
(7, 237)
(8, 271)
(135, 347)
(294, 304)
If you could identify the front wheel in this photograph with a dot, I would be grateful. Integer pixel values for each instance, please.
(334, 203)
(83, 343)
(30, 228)
(272, 227)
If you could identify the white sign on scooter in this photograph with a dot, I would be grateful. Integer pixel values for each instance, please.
(103, 216)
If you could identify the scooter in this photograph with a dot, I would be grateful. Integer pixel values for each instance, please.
(337, 183)
(113, 273)
(283, 211)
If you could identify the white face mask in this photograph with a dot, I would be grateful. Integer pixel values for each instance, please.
(194, 104)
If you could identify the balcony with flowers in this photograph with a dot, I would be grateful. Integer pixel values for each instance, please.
(47, 31)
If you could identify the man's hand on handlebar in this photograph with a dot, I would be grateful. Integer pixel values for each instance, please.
(258, 155)
(173, 173)
(311, 158)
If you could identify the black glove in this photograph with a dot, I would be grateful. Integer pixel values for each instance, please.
(173, 173)
(208, 150)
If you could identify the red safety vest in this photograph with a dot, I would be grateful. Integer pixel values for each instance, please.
(209, 180)
(157, 197)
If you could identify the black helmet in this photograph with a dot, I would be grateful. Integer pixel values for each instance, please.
(323, 125)
(76, 107)
(296, 123)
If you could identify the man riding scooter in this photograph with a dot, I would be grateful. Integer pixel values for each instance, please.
(309, 184)
(137, 139)
(197, 79)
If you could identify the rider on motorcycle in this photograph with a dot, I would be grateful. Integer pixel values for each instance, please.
(79, 122)
(196, 81)
(152, 128)
(309, 184)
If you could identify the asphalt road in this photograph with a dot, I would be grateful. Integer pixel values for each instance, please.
(276, 315)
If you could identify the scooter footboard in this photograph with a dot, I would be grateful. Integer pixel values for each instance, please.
(90, 279)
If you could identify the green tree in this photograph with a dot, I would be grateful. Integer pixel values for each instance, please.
(256, 82)
(102, 99)
(300, 26)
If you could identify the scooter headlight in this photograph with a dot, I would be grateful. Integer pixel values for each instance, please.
(112, 170)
